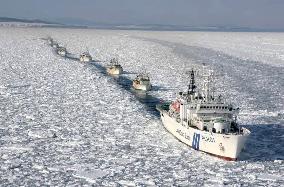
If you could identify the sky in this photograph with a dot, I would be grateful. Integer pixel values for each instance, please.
(267, 14)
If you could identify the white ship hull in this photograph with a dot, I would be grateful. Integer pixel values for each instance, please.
(114, 71)
(144, 87)
(225, 146)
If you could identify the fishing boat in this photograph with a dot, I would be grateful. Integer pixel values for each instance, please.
(54, 44)
(142, 82)
(62, 51)
(49, 40)
(114, 68)
(85, 57)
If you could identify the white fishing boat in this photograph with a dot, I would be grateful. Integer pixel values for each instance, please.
(114, 68)
(142, 82)
(85, 57)
(205, 122)
(54, 44)
(62, 51)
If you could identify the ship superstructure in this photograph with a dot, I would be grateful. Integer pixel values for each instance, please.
(142, 82)
(114, 68)
(205, 122)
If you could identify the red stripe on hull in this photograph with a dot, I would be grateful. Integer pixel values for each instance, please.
(222, 157)
(218, 156)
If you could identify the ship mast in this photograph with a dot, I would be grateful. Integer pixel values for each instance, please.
(191, 86)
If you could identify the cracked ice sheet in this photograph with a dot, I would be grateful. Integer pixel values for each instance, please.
(267, 48)
(104, 136)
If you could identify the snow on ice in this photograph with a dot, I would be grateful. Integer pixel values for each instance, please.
(68, 123)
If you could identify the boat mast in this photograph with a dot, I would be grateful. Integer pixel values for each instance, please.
(191, 86)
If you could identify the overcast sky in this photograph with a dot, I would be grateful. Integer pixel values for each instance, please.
(268, 14)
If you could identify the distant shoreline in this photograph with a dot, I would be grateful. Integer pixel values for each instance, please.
(39, 25)
(14, 22)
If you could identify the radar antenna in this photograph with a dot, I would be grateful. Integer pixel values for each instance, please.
(207, 80)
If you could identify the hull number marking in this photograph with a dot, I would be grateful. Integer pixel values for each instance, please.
(195, 141)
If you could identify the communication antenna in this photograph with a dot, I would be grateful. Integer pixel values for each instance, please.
(191, 85)
(207, 76)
